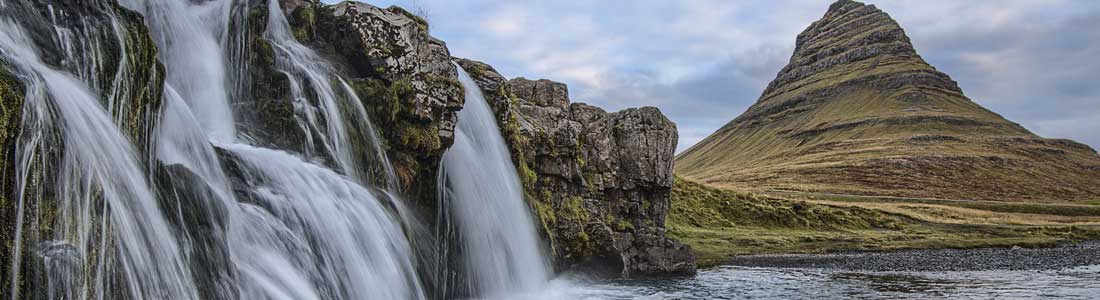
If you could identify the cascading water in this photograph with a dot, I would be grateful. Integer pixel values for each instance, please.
(219, 218)
(311, 226)
(98, 161)
(189, 35)
(343, 131)
(501, 248)
(300, 231)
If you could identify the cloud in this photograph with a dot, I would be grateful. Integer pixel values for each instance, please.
(1040, 70)
(703, 62)
(506, 23)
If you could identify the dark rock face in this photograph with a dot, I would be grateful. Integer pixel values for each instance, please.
(184, 196)
(403, 76)
(599, 182)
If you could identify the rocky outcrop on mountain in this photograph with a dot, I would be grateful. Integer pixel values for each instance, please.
(599, 182)
(858, 111)
(403, 76)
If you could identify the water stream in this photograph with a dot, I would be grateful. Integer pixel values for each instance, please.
(245, 221)
(97, 161)
(501, 249)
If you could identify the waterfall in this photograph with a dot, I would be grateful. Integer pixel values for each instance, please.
(97, 161)
(300, 230)
(501, 248)
(246, 222)
(341, 130)
(189, 35)
(210, 214)
(311, 225)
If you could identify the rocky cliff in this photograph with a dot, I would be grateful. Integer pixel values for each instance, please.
(598, 181)
(858, 111)
(403, 76)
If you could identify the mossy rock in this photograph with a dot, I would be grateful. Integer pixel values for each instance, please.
(11, 111)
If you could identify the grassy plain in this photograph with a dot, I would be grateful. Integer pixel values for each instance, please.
(719, 224)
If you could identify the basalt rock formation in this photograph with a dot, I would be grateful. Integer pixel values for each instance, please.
(600, 182)
(858, 111)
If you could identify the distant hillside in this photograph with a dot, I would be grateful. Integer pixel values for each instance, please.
(858, 111)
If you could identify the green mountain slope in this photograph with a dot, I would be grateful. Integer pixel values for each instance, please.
(858, 111)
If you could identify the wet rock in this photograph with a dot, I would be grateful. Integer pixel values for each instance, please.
(137, 100)
(189, 202)
(402, 74)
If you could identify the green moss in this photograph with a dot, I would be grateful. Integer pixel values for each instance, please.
(573, 209)
(624, 225)
(421, 23)
(518, 143)
(303, 21)
(410, 139)
(581, 246)
(527, 176)
(477, 71)
(11, 107)
(143, 77)
(545, 212)
(394, 104)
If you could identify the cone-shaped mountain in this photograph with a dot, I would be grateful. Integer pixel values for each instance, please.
(858, 111)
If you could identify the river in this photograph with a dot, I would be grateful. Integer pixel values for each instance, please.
(1068, 272)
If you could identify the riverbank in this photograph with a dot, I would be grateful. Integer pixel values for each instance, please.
(1064, 256)
(1069, 271)
(721, 224)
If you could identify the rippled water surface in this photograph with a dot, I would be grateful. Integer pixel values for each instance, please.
(733, 282)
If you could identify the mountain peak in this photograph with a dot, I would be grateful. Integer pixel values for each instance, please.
(841, 6)
(850, 32)
(857, 109)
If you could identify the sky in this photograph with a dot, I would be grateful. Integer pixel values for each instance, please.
(704, 62)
